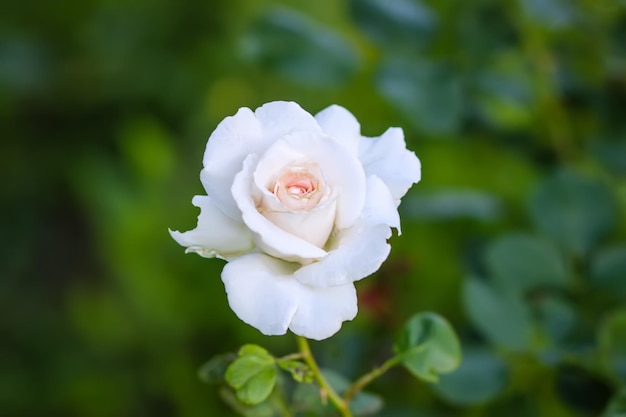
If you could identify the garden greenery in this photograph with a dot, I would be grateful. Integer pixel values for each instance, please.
(515, 234)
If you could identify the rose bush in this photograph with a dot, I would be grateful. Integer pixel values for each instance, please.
(300, 207)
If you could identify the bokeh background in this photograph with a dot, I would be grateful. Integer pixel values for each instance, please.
(516, 233)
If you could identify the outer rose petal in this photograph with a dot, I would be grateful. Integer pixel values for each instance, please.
(341, 125)
(262, 292)
(280, 118)
(360, 250)
(243, 134)
(269, 237)
(216, 235)
(388, 158)
(234, 138)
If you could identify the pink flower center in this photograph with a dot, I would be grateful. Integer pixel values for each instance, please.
(298, 189)
(297, 184)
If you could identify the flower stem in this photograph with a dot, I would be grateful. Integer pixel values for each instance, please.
(339, 403)
(291, 357)
(360, 383)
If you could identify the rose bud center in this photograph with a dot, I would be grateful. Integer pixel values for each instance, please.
(298, 189)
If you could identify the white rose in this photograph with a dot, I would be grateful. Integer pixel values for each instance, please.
(300, 207)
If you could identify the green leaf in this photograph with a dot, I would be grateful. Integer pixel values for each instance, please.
(292, 45)
(365, 404)
(521, 262)
(608, 270)
(502, 316)
(552, 14)
(612, 344)
(252, 375)
(265, 409)
(505, 91)
(451, 204)
(298, 370)
(479, 379)
(255, 350)
(612, 154)
(398, 23)
(213, 371)
(428, 346)
(427, 94)
(556, 316)
(307, 398)
(576, 212)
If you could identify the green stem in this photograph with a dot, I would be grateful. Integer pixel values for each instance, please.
(290, 357)
(360, 383)
(338, 402)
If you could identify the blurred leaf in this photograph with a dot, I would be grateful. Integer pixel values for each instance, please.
(553, 14)
(612, 154)
(478, 380)
(298, 370)
(428, 346)
(502, 316)
(252, 374)
(363, 403)
(394, 23)
(505, 91)
(427, 94)
(213, 371)
(24, 64)
(608, 270)
(290, 44)
(617, 406)
(557, 317)
(612, 344)
(576, 212)
(366, 404)
(307, 397)
(265, 409)
(524, 262)
(451, 204)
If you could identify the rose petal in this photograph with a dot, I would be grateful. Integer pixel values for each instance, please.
(314, 226)
(262, 292)
(360, 250)
(216, 234)
(269, 237)
(388, 158)
(321, 311)
(342, 171)
(243, 134)
(341, 125)
(234, 138)
(280, 118)
(380, 207)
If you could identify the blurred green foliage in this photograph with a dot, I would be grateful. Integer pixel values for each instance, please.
(516, 233)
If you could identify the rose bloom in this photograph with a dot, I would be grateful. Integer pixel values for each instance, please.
(300, 206)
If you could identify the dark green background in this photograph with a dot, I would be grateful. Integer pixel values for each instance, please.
(516, 232)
